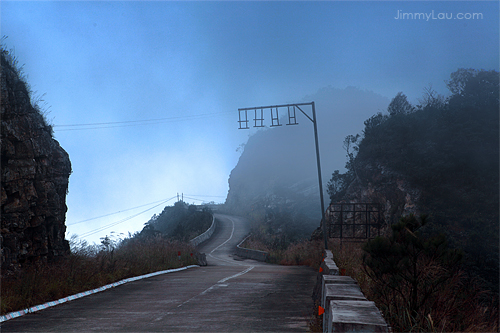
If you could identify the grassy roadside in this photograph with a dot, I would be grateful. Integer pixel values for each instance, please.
(89, 267)
(302, 253)
(460, 305)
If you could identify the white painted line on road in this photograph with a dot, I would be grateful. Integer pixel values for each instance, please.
(219, 284)
(36, 308)
(232, 232)
(232, 262)
(213, 287)
(236, 275)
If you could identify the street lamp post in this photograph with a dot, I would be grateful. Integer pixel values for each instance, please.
(243, 123)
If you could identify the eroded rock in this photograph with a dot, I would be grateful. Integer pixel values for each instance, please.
(35, 174)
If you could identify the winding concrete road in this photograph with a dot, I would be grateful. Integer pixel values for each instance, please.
(228, 295)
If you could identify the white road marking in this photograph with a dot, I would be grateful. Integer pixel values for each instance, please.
(236, 275)
(228, 261)
(232, 232)
(220, 283)
(227, 240)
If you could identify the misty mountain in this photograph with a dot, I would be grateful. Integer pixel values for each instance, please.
(279, 164)
(439, 158)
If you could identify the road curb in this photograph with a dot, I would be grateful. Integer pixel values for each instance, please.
(36, 308)
(204, 236)
(250, 253)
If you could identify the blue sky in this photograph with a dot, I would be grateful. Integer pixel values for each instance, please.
(110, 61)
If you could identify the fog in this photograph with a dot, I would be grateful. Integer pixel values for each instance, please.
(193, 64)
(282, 160)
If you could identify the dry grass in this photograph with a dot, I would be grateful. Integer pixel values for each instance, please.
(303, 253)
(460, 305)
(307, 253)
(89, 267)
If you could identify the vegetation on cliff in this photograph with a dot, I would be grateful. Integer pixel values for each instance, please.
(448, 149)
(416, 283)
(92, 266)
(22, 88)
(181, 222)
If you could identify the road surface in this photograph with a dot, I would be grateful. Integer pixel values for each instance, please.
(228, 295)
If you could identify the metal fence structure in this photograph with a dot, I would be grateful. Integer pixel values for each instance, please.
(354, 221)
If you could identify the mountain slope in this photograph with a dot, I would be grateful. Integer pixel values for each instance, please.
(440, 158)
(279, 164)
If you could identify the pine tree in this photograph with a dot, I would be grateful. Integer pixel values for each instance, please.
(407, 267)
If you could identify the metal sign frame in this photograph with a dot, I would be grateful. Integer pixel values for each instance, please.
(354, 221)
(292, 120)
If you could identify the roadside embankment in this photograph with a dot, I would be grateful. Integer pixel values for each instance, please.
(342, 303)
(250, 253)
(92, 268)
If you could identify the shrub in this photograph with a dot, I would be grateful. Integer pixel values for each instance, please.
(89, 267)
(417, 283)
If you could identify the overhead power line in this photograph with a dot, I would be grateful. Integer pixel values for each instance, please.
(202, 196)
(121, 211)
(207, 196)
(107, 226)
(112, 124)
(185, 196)
(158, 203)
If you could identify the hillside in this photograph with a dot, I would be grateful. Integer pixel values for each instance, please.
(439, 158)
(276, 173)
(180, 221)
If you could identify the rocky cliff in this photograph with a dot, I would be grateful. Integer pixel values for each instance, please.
(35, 173)
(379, 184)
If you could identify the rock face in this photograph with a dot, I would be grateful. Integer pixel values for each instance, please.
(35, 173)
(378, 184)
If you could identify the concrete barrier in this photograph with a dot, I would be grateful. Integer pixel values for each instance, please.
(204, 236)
(329, 267)
(328, 279)
(339, 292)
(249, 253)
(345, 307)
(355, 316)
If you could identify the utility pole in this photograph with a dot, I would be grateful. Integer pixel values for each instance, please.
(292, 120)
